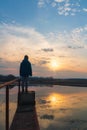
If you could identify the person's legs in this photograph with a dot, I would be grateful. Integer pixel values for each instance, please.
(26, 84)
(23, 82)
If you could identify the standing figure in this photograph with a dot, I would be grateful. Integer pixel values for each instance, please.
(25, 72)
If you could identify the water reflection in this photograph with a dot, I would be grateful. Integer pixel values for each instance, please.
(12, 106)
(55, 98)
(58, 107)
(62, 110)
(2, 109)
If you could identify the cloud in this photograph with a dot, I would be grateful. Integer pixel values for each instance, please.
(75, 47)
(41, 3)
(43, 62)
(85, 9)
(59, 1)
(16, 41)
(68, 8)
(53, 4)
(64, 7)
(79, 36)
(47, 50)
(76, 38)
(63, 56)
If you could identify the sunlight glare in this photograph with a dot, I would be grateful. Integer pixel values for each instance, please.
(53, 99)
(54, 65)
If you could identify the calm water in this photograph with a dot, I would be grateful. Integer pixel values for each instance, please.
(58, 107)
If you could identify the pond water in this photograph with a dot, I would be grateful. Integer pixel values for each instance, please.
(58, 107)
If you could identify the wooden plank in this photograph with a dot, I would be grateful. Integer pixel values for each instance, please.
(26, 98)
(25, 120)
(25, 117)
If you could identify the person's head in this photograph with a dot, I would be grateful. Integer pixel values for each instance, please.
(26, 57)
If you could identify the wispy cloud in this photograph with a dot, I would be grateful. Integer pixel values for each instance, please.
(64, 7)
(16, 41)
(85, 9)
(59, 1)
(43, 62)
(75, 47)
(47, 49)
(75, 37)
(42, 3)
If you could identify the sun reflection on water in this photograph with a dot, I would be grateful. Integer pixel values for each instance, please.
(55, 98)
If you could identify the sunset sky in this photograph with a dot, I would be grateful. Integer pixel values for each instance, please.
(53, 33)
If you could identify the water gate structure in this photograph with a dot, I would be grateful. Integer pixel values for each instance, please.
(25, 117)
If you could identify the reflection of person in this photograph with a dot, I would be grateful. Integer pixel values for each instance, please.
(25, 72)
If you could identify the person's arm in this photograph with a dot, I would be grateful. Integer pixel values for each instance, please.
(20, 69)
(30, 70)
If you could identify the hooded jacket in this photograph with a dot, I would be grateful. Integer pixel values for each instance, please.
(25, 68)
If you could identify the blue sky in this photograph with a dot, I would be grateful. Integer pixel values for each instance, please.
(52, 32)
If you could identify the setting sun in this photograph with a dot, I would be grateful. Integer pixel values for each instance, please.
(54, 65)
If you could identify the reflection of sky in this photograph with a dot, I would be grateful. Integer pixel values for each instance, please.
(58, 107)
(62, 108)
(12, 106)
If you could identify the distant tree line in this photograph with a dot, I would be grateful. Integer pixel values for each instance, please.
(48, 81)
(6, 78)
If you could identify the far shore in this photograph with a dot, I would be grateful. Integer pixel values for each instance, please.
(80, 82)
(63, 82)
